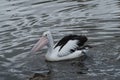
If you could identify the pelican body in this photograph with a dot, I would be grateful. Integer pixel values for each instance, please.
(68, 47)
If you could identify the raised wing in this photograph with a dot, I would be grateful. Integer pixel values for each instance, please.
(69, 48)
(70, 44)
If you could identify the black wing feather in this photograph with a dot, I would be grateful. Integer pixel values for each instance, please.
(81, 40)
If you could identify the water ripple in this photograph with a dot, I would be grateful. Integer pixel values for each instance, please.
(23, 21)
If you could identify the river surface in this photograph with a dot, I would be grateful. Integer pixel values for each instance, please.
(23, 21)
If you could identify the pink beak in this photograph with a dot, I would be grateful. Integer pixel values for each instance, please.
(41, 43)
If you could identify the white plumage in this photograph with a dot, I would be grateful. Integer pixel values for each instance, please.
(69, 47)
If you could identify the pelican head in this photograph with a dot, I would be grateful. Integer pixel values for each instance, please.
(46, 39)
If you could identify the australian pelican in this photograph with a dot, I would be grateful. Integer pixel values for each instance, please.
(69, 47)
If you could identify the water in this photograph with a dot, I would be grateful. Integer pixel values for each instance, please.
(23, 21)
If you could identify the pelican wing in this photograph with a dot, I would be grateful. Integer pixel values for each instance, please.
(69, 48)
(70, 44)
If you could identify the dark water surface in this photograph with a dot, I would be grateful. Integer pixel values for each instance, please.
(23, 21)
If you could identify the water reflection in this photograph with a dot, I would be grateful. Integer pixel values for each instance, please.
(22, 22)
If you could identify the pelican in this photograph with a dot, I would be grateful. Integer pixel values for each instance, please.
(69, 47)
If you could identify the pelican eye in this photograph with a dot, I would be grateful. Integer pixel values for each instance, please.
(45, 35)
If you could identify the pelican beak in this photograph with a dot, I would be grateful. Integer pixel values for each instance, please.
(41, 43)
